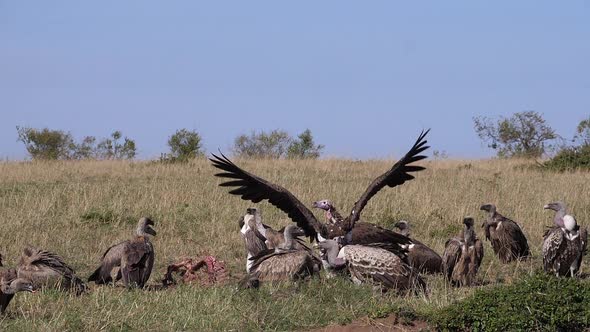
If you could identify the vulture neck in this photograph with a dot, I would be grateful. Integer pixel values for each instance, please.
(469, 236)
(289, 243)
(558, 219)
(333, 215)
(332, 255)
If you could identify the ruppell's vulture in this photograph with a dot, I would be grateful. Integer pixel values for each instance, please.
(506, 237)
(564, 244)
(284, 262)
(372, 265)
(46, 269)
(420, 256)
(10, 284)
(111, 259)
(463, 255)
(253, 188)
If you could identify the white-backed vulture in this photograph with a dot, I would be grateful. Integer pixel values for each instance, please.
(255, 189)
(372, 265)
(137, 260)
(46, 269)
(284, 262)
(110, 263)
(564, 244)
(463, 255)
(506, 237)
(420, 256)
(253, 233)
(10, 284)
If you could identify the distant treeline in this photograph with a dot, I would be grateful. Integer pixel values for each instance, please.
(523, 135)
(184, 144)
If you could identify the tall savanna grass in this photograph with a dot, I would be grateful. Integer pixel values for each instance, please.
(78, 209)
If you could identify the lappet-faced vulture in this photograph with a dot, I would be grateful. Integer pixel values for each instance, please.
(564, 244)
(46, 269)
(420, 256)
(463, 255)
(284, 262)
(253, 188)
(372, 265)
(10, 284)
(110, 263)
(506, 237)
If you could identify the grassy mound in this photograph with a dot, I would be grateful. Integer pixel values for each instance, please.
(538, 302)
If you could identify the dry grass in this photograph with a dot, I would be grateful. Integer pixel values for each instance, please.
(78, 209)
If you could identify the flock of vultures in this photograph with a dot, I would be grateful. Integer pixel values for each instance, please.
(364, 252)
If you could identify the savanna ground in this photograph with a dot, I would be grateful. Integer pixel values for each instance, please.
(78, 209)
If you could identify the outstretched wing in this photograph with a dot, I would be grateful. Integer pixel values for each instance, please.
(398, 174)
(255, 189)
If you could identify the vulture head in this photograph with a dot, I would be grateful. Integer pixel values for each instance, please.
(556, 206)
(403, 226)
(468, 222)
(144, 226)
(559, 208)
(17, 285)
(324, 204)
(330, 250)
(491, 208)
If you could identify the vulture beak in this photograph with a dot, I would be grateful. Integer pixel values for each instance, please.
(150, 231)
(251, 210)
(297, 231)
(484, 207)
(547, 206)
(316, 205)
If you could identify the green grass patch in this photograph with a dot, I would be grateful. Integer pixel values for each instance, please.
(536, 303)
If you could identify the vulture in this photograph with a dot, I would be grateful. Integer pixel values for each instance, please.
(372, 265)
(10, 284)
(420, 256)
(253, 233)
(284, 262)
(462, 256)
(255, 189)
(111, 259)
(137, 259)
(506, 237)
(564, 244)
(46, 269)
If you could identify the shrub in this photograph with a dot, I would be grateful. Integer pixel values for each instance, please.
(46, 144)
(304, 147)
(538, 302)
(184, 145)
(113, 148)
(570, 159)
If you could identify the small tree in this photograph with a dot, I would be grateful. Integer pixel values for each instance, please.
(112, 148)
(184, 145)
(86, 149)
(524, 134)
(262, 145)
(304, 147)
(583, 132)
(46, 144)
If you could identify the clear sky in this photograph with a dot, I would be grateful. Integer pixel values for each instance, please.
(364, 76)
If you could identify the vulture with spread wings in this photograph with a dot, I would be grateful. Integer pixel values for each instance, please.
(255, 189)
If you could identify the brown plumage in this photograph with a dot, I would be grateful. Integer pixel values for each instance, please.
(284, 262)
(137, 262)
(463, 255)
(506, 237)
(10, 284)
(253, 233)
(420, 256)
(111, 259)
(372, 265)
(255, 189)
(564, 245)
(46, 269)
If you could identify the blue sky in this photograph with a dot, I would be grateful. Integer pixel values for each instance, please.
(365, 77)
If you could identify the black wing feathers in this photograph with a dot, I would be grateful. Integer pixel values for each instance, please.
(396, 176)
(255, 189)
